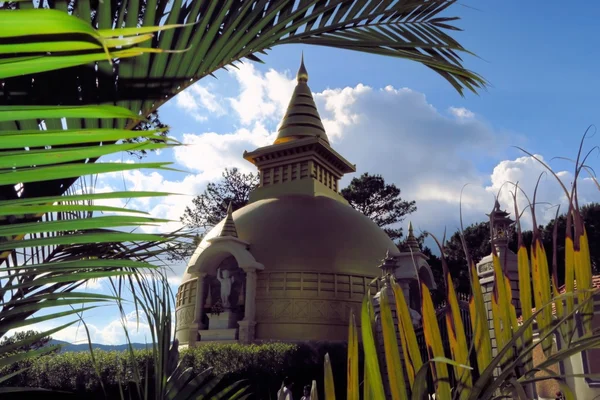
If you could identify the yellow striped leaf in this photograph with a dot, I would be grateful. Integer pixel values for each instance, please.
(408, 337)
(352, 392)
(583, 275)
(512, 312)
(541, 286)
(497, 320)
(367, 394)
(392, 351)
(501, 308)
(525, 293)
(375, 383)
(433, 339)
(479, 321)
(314, 394)
(329, 384)
(458, 340)
(569, 278)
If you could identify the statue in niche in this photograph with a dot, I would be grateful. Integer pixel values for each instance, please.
(226, 280)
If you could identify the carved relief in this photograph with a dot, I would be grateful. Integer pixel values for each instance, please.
(303, 310)
(184, 316)
(486, 267)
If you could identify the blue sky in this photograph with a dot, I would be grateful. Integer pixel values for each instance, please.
(399, 119)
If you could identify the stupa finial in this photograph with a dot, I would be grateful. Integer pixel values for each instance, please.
(229, 226)
(301, 120)
(302, 75)
(411, 240)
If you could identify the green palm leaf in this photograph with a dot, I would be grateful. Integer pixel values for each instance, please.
(216, 34)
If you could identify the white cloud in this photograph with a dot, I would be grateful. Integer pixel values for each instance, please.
(197, 100)
(525, 171)
(390, 131)
(207, 99)
(210, 153)
(186, 101)
(95, 284)
(262, 97)
(461, 112)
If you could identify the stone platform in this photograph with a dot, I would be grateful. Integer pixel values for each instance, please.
(219, 335)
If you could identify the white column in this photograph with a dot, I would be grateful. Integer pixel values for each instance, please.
(248, 324)
(199, 306)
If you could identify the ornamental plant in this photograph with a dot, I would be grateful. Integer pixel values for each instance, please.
(509, 373)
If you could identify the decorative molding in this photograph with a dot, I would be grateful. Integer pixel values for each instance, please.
(305, 310)
(485, 268)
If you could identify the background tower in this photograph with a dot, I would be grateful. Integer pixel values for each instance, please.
(501, 227)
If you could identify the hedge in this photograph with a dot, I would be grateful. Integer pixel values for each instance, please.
(264, 365)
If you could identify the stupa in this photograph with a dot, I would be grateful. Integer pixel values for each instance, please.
(293, 263)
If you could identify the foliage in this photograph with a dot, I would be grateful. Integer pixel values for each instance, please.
(217, 308)
(514, 361)
(152, 122)
(263, 365)
(379, 201)
(210, 207)
(67, 252)
(219, 34)
(183, 249)
(23, 337)
(44, 263)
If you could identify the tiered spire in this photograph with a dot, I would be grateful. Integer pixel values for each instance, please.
(229, 226)
(411, 240)
(301, 118)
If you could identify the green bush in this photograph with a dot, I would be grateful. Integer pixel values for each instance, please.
(263, 365)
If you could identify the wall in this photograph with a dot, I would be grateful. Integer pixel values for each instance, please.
(308, 305)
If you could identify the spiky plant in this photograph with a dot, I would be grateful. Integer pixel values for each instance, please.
(44, 262)
(508, 374)
(49, 245)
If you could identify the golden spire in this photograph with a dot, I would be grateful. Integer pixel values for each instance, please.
(229, 226)
(301, 118)
(302, 75)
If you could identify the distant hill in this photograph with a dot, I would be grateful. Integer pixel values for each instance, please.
(85, 346)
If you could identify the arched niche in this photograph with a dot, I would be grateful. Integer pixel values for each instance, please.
(208, 260)
(426, 276)
(213, 286)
